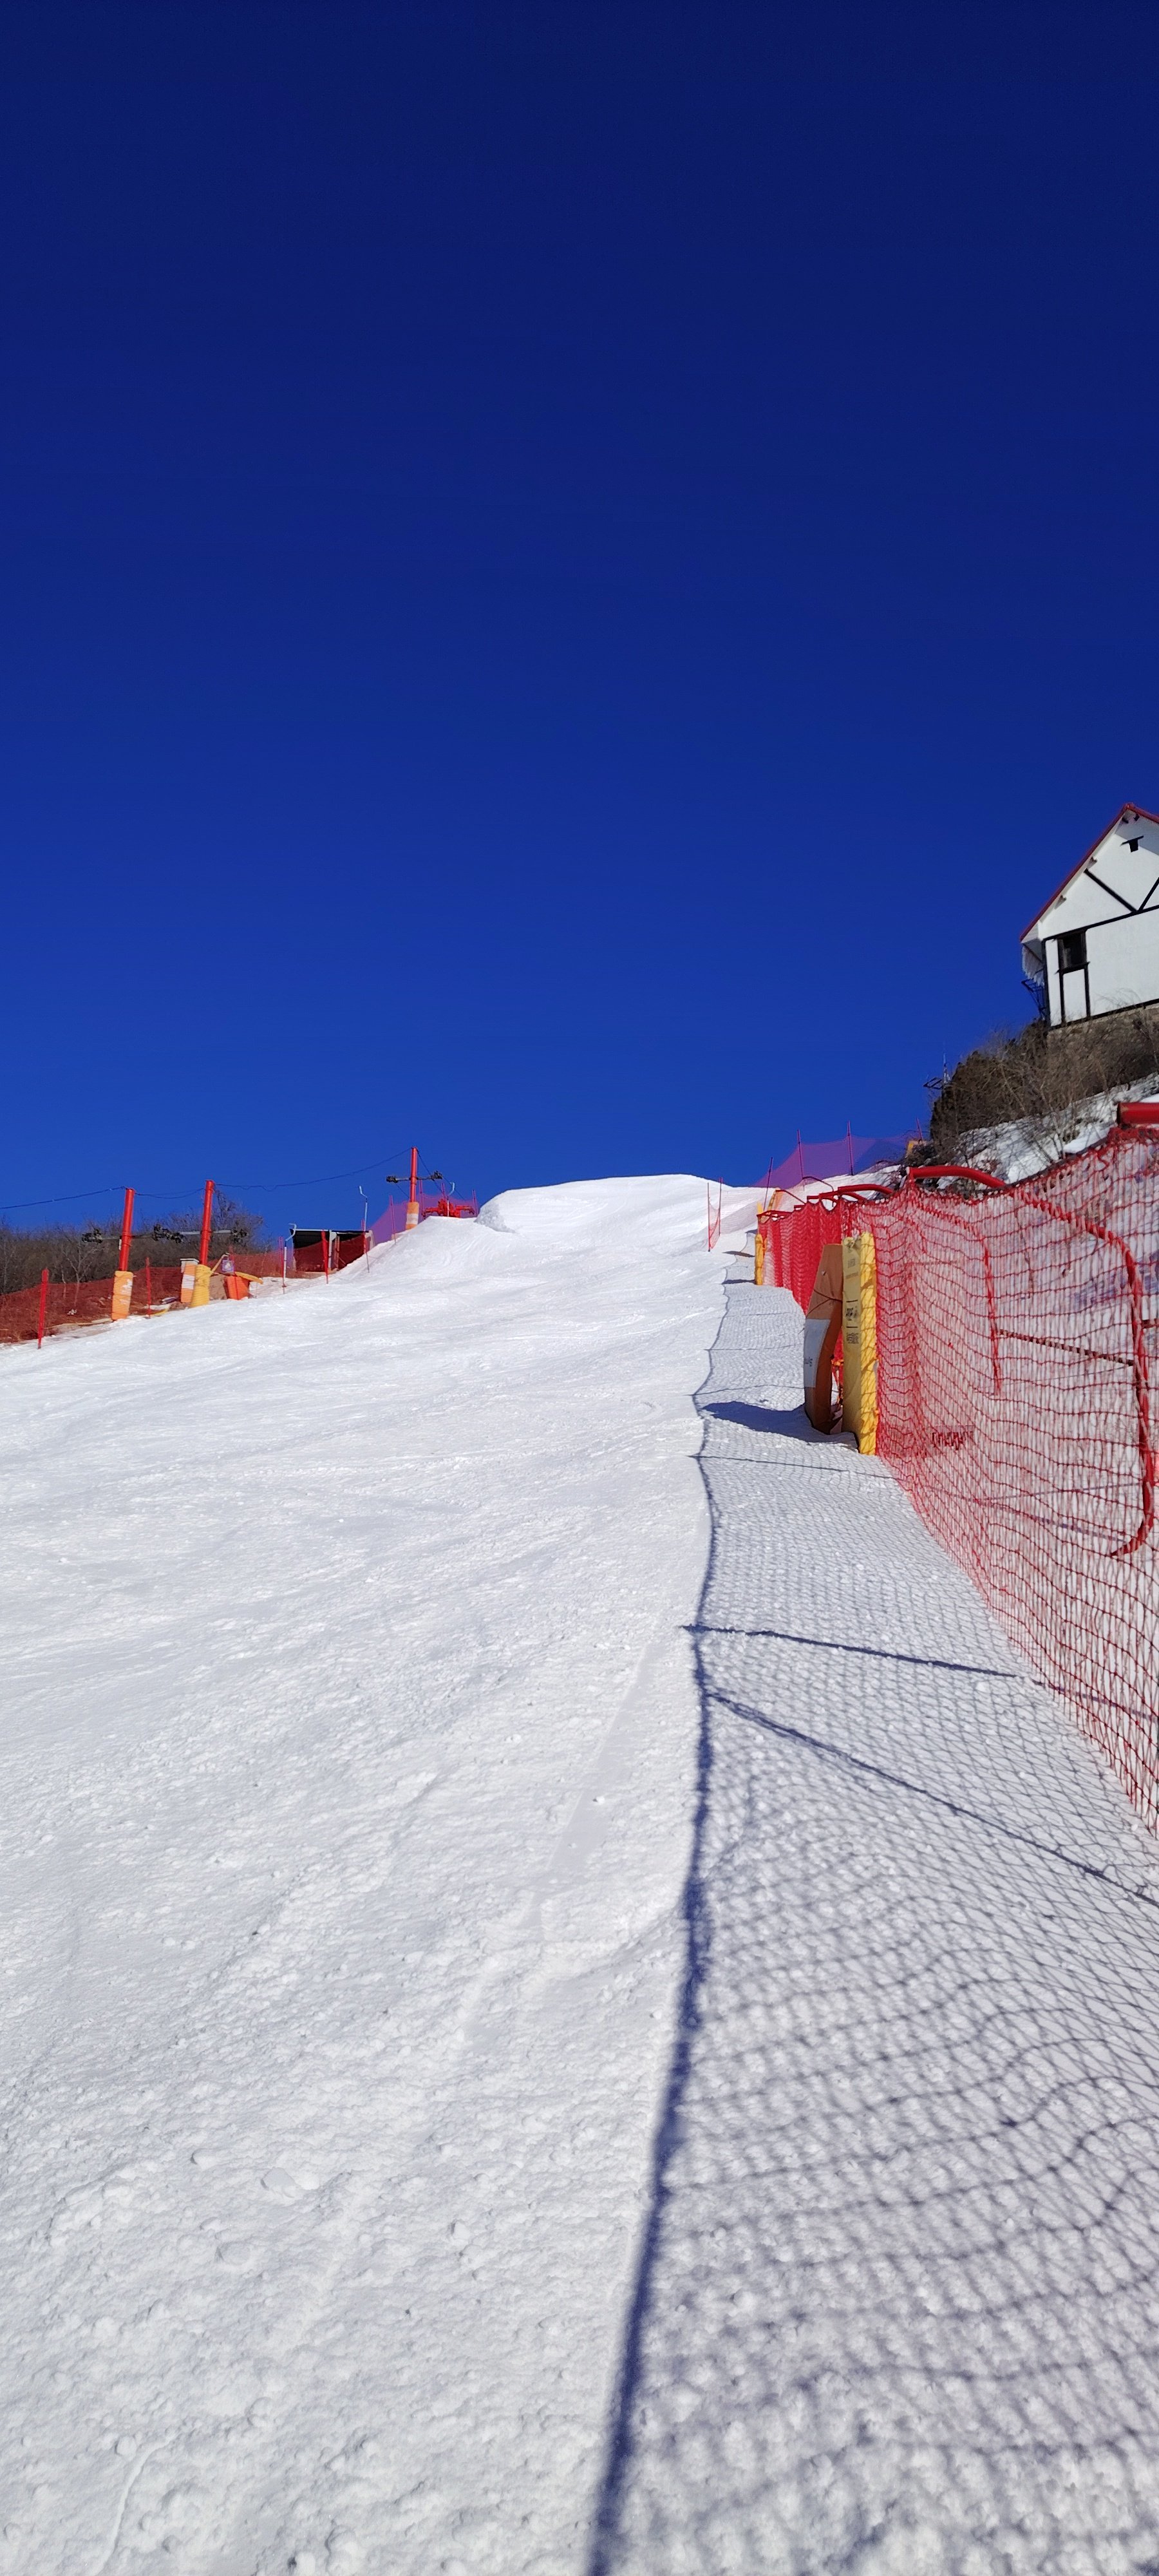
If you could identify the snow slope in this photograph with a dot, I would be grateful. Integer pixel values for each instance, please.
(516, 2062)
(348, 1754)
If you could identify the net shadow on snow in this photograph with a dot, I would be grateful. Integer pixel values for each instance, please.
(896, 2307)
(791, 1421)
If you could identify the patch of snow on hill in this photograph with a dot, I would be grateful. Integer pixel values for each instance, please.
(1029, 1145)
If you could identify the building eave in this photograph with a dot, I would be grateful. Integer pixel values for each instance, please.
(1141, 814)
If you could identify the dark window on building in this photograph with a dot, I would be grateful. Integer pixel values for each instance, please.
(1132, 845)
(1072, 951)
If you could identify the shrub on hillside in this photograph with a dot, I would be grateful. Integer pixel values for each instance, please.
(90, 1251)
(1038, 1076)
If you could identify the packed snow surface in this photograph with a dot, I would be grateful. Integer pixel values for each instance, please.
(522, 2055)
(349, 1743)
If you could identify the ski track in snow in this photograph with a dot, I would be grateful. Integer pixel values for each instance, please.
(348, 1761)
(362, 2211)
(898, 2311)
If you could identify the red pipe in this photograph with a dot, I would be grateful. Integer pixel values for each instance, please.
(952, 1172)
(126, 1231)
(206, 1223)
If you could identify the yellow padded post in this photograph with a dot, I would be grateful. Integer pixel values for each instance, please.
(859, 1339)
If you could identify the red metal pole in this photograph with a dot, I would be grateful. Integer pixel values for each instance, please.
(206, 1223)
(148, 1286)
(43, 1309)
(126, 1230)
(412, 1205)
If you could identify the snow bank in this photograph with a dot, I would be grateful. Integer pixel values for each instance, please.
(348, 1760)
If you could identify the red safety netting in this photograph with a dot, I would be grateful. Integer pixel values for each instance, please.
(834, 1157)
(70, 1303)
(794, 1243)
(250, 1264)
(1016, 1358)
(316, 1253)
(394, 1215)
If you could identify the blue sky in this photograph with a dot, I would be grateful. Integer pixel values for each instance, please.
(571, 575)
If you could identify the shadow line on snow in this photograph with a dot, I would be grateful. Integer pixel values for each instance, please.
(697, 1936)
(794, 1425)
(842, 1646)
(857, 1763)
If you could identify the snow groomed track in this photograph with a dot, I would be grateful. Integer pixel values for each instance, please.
(898, 2309)
(413, 2161)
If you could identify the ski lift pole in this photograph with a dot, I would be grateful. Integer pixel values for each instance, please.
(123, 1282)
(412, 1205)
(200, 1295)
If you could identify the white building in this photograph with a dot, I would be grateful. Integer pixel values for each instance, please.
(1095, 947)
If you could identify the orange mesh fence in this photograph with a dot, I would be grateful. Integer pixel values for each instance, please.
(255, 1265)
(1016, 1339)
(314, 1252)
(68, 1303)
(794, 1243)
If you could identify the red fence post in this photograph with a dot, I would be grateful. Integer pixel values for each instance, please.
(326, 1253)
(43, 1309)
(148, 1286)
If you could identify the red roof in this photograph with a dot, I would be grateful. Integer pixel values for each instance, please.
(1140, 811)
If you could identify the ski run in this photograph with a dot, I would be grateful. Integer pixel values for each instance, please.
(570, 2009)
